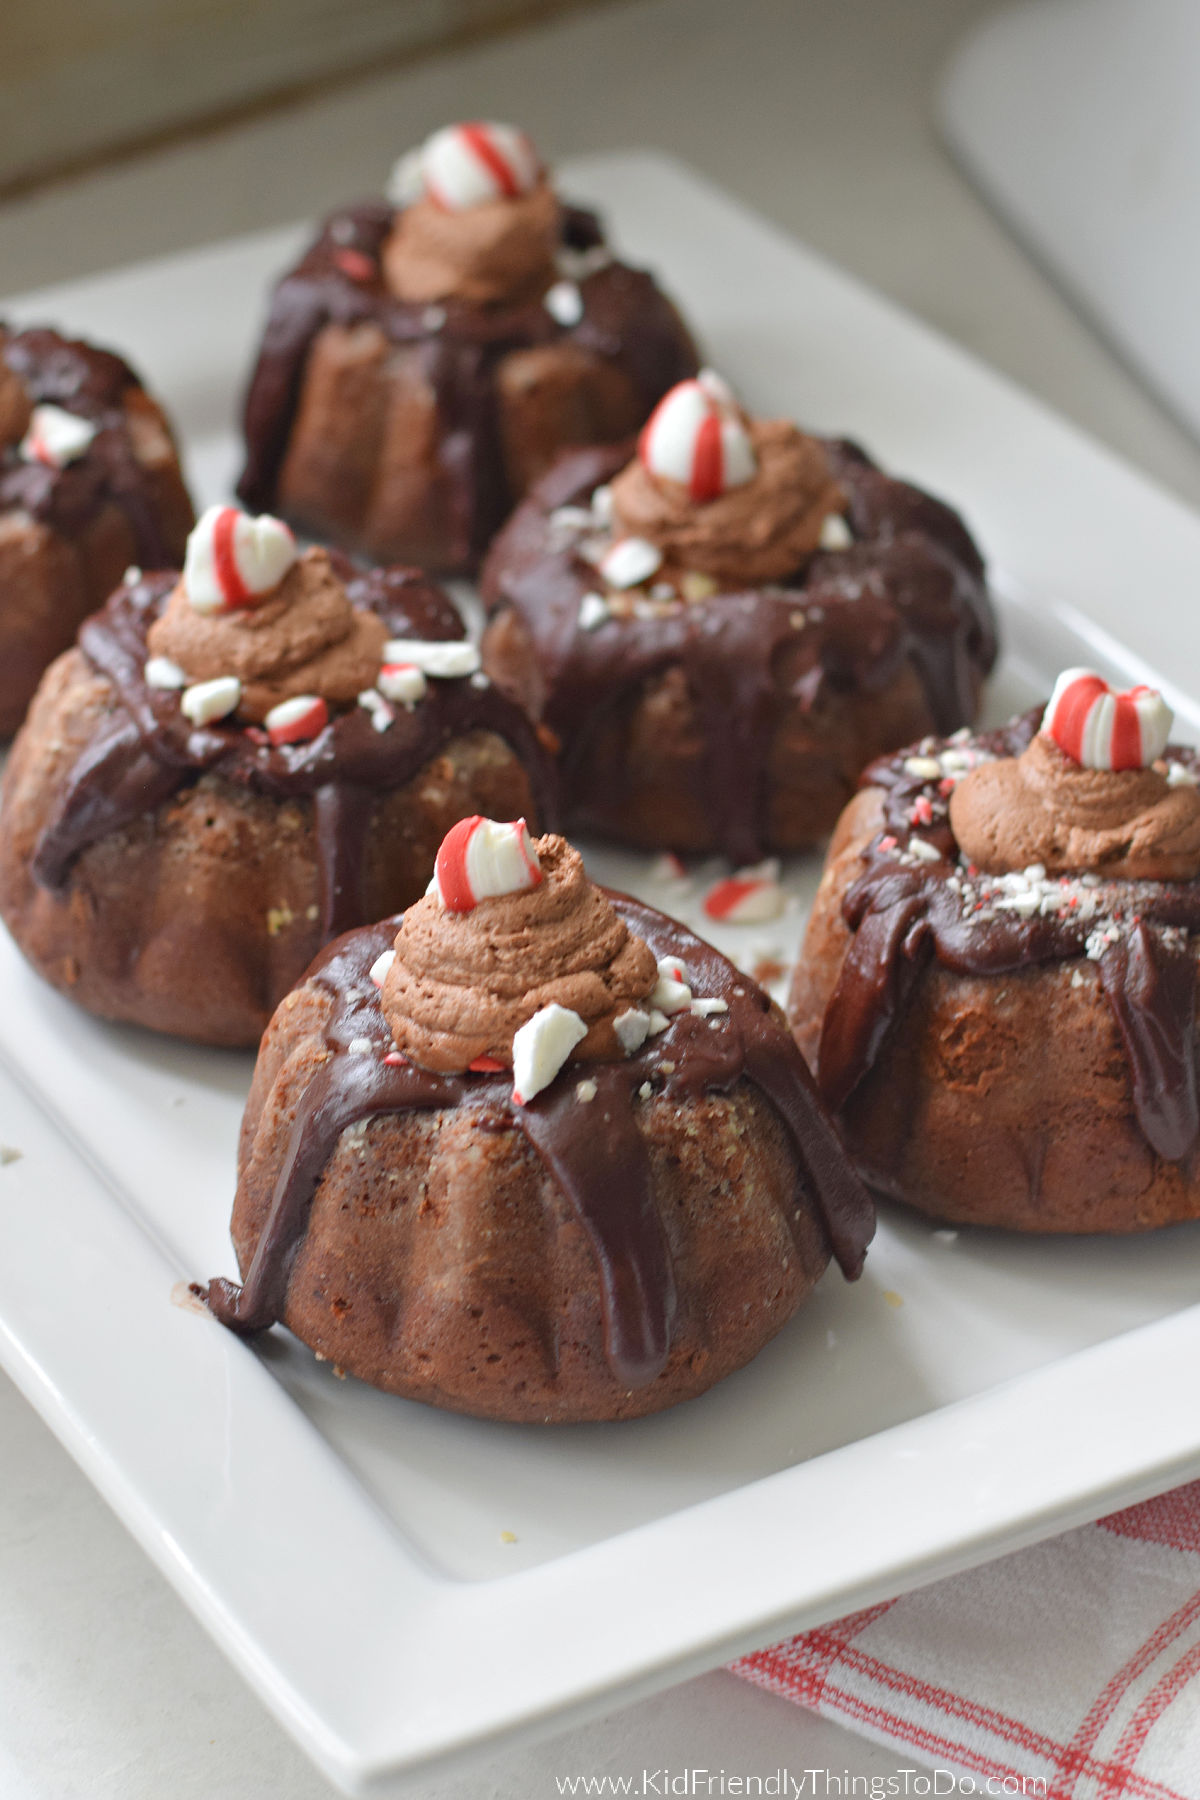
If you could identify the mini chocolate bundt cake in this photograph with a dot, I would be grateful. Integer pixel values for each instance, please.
(533, 1152)
(89, 484)
(238, 763)
(723, 631)
(430, 356)
(997, 990)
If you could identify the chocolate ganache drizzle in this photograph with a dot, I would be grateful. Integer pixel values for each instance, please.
(340, 280)
(96, 386)
(918, 898)
(908, 587)
(147, 749)
(595, 1152)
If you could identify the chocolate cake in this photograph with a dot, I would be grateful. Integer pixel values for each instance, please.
(533, 1152)
(89, 484)
(722, 630)
(235, 765)
(997, 988)
(430, 355)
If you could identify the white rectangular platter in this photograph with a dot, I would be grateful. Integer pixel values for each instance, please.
(405, 1588)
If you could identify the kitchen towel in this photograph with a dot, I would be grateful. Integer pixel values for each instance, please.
(1075, 1663)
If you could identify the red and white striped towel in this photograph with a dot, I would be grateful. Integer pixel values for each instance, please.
(1076, 1662)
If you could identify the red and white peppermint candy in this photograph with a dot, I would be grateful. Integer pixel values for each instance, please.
(748, 897)
(541, 1047)
(56, 437)
(695, 436)
(447, 660)
(234, 560)
(466, 165)
(481, 859)
(402, 681)
(297, 721)
(1100, 727)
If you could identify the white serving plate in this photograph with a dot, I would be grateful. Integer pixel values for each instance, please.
(970, 1394)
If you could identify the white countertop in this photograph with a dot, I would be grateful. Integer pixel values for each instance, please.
(818, 114)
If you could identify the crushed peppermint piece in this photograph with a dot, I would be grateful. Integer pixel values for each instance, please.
(586, 1091)
(361, 1046)
(297, 721)
(373, 702)
(486, 1065)
(234, 561)
(704, 1008)
(668, 867)
(594, 611)
(923, 768)
(481, 859)
(645, 1091)
(207, 701)
(402, 681)
(1179, 775)
(564, 303)
(923, 850)
(629, 562)
(632, 1028)
(448, 661)
(835, 533)
(56, 437)
(695, 586)
(658, 1021)
(541, 1047)
(570, 519)
(161, 672)
(602, 505)
(748, 897)
(380, 967)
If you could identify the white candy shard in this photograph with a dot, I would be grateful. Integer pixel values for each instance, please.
(447, 661)
(402, 681)
(298, 720)
(748, 897)
(373, 702)
(209, 700)
(541, 1047)
(564, 303)
(380, 967)
(235, 560)
(630, 561)
(56, 437)
(480, 859)
(835, 533)
(632, 1028)
(658, 1021)
(594, 611)
(673, 992)
(1101, 728)
(161, 672)
(466, 165)
(697, 437)
(703, 1009)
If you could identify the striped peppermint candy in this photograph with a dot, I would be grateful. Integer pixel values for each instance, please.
(297, 721)
(234, 560)
(56, 437)
(1100, 727)
(695, 436)
(480, 859)
(466, 165)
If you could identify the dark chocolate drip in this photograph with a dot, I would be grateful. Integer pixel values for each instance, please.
(94, 384)
(594, 1150)
(904, 909)
(910, 589)
(1151, 987)
(148, 750)
(625, 319)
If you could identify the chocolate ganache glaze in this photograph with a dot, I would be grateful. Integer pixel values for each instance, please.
(98, 387)
(595, 1152)
(908, 587)
(919, 898)
(341, 280)
(149, 750)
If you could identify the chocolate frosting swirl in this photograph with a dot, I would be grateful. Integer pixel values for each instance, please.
(463, 983)
(1042, 807)
(760, 531)
(305, 638)
(499, 252)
